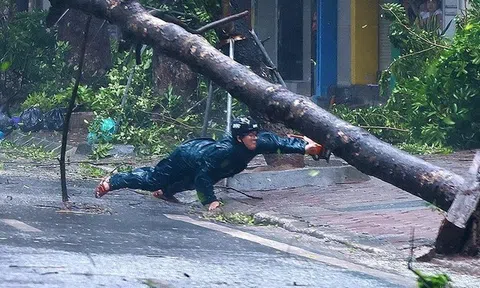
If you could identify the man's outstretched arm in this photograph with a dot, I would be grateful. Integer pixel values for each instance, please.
(203, 179)
(270, 143)
(204, 187)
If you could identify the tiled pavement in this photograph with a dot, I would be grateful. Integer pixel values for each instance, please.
(372, 212)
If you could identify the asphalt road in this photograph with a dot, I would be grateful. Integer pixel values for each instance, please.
(137, 245)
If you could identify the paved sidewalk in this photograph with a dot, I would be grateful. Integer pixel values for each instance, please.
(367, 215)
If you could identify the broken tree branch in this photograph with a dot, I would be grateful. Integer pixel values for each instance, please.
(222, 21)
(71, 105)
(164, 15)
(452, 236)
(238, 191)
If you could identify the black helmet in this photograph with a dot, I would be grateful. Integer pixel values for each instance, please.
(241, 126)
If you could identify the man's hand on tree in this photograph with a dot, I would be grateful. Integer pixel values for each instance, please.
(312, 147)
(214, 205)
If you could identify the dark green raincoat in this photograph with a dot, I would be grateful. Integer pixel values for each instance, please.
(200, 163)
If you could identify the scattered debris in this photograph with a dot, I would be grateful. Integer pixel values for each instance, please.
(440, 280)
(424, 253)
(47, 273)
(238, 191)
(154, 283)
(156, 256)
(231, 218)
(82, 208)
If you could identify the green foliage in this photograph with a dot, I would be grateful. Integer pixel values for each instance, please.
(152, 123)
(42, 101)
(101, 150)
(436, 81)
(234, 218)
(433, 281)
(194, 13)
(423, 148)
(387, 125)
(90, 171)
(60, 98)
(439, 100)
(31, 152)
(31, 59)
(124, 168)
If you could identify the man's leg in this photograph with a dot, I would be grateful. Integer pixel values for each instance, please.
(169, 191)
(140, 178)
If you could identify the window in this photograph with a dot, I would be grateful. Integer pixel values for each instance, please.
(427, 14)
(22, 5)
(290, 39)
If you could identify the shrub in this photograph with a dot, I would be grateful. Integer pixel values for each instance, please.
(436, 84)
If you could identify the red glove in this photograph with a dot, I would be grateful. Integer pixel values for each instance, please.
(314, 149)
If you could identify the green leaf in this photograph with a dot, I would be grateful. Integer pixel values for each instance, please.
(448, 121)
(5, 65)
(313, 173)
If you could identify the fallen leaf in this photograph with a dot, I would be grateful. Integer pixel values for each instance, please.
(313, 173)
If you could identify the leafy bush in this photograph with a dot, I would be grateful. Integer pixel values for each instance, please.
(34, 152)
(436, 84)
(47, 102)
(30, 57)
(153, 123)
(90, 171)
(194, 13)
(101, 151)
(384, 124)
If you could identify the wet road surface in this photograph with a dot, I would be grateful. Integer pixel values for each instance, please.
(145, 243)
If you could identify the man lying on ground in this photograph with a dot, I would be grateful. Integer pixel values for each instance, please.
(200, 163)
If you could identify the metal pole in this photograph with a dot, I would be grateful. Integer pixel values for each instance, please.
(253, 4)
(229, 105)
(229, 97)
(130, 77)
(208, 109)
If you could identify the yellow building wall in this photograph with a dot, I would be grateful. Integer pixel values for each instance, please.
(364, 41)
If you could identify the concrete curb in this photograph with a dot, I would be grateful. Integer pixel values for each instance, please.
(316, 176)
(28, 139)
(296, 226)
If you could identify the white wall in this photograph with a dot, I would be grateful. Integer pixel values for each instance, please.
(266, 26)
(343, 43)
(450, 9)
(46, 4)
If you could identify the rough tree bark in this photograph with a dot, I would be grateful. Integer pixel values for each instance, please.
(71, 29)
(353, 144)
(169, 71)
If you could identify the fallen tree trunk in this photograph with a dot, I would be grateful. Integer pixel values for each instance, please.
(248, 53)
(356, 146)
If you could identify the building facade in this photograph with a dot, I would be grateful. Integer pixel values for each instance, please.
(326, 48)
